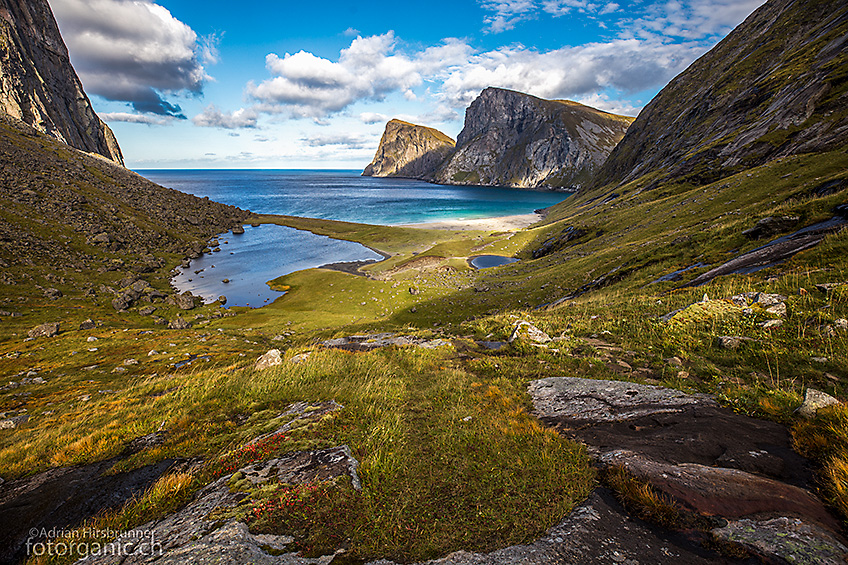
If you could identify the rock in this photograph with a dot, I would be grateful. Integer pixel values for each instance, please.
(841, 324)
(827, 287)
(813, 400)
(130, 362)
(790, 540)
(87, 324)
(770, 226)
(238, 229)
(778, 309)
(769, 324)
(91, 338)
(53, 293)
(184, 301)
(225, 281)
(414, 291)
(301, 357)
(270, 359)
(409, 151)
(525, 330)
(147, 310)
(50, 329)
(766, 300)
(731, 342)
(194, 534)
(716, 491)
(179, 323)
(590, 400)
(222, 299)
(514, 139)
(121, 303)
(40, 86)
(13, 422)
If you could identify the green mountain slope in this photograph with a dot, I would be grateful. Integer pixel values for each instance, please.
(775, 86)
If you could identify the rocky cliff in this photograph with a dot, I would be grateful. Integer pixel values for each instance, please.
(518, 140)
(410, 151)
(776, 86)
(39, 86)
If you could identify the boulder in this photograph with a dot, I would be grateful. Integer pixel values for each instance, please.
(270, 359)
(813, 400)
(778, 309)
(238, 229)
(179, 323)
(527, 331)
(87, 324)
(13, 422)
(53, 293)
(765, 300)
(50, 329)
(184, 301)
(790, 539)
(121, 303)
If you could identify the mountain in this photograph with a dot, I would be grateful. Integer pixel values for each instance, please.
(39, 86)
(514, 139)
(776, 86)
(410, 151)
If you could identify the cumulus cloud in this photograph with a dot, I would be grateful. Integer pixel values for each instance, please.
(148, 119)
(373, 118)
(305, 85)
(213, 117)
(507, 13)
(134, 51)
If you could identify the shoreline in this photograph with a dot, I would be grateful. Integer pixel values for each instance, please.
(498, 223)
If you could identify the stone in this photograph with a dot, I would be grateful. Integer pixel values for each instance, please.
(769, 324)
(50, 329)
(841, 324)
(179, 323)
(13, 422)
(87, 324)
(121, 303)
(53, 293)
(184, 301)
(813, 400)
(770, 226)
(270, 359)
(525, 330)
(147, 310)
(222, 299)
(414, 291)
(790, 540)
(301, 357)
(91, 338)
(765, 300)
(731, 342)
(238, 229)
(778, 309)
(591, 400)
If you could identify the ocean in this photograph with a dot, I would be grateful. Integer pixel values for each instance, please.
(266, 252)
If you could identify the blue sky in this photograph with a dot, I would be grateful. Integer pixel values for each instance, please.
(279, 84)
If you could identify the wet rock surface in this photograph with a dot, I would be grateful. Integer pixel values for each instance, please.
(707, 459)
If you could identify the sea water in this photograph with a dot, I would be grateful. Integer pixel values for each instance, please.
(248, 261)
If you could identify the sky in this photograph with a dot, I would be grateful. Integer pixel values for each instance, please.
(310, 85)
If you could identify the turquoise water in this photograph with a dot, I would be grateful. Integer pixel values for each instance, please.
(345, 195)
(247, 261)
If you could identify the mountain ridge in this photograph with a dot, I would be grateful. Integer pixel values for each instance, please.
(409, 150)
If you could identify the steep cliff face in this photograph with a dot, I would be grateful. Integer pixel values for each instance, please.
(518, 140)
(775, 86)
(410, 151)
(39, 86)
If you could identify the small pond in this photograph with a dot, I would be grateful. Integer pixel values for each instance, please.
(249, 260)
(486, 261)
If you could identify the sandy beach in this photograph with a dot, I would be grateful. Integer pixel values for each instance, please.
(503, 223)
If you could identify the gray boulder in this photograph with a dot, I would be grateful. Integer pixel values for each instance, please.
(50, 329)
(813, 400)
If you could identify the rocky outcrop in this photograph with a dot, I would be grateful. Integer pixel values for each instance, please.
(409, 151)
(773, 87)
(518, 140)
(736, 472)
(39, 86)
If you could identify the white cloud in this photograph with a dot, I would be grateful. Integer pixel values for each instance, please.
(134, 51)
(507, 13)
(345, 140)
(373, 118)
(351, 32)
(694, 19)
(213, 117)
(134, 118)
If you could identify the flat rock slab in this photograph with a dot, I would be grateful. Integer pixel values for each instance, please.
(796, 541)
(598, 532)
(591, 401)
(668, 426)
(730, 493)
(195, 535)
